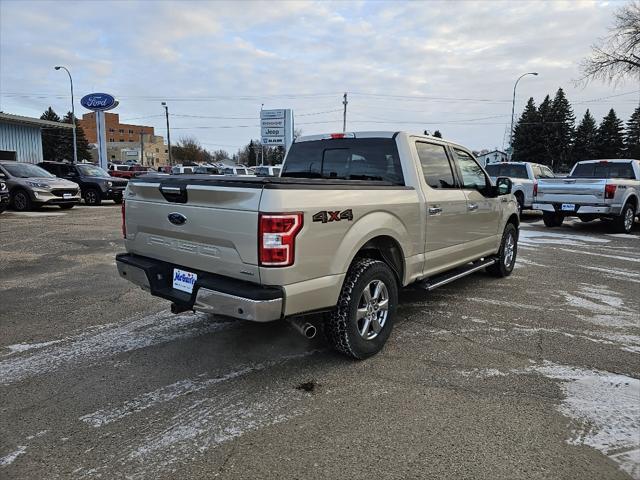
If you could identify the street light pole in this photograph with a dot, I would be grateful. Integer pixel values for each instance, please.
(73, 114)
(513, 109)
(166, 112)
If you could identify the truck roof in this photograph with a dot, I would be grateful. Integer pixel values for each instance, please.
(372, 134)
(613, 160)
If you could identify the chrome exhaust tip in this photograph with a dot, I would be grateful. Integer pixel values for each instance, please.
(306, 329)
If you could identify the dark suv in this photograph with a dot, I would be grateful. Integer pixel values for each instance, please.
(4, 196)
(95, 183)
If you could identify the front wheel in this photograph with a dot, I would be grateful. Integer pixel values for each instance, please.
(92, 197)
(507, 253)
(363, 318)
(21, 201)
(117, 200)
(623, 223)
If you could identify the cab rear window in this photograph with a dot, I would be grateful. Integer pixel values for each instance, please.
(603, 170)
(345, 159)
(507, 170)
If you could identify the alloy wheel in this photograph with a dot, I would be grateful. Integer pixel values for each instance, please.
(373, 309)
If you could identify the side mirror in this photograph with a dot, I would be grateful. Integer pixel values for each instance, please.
(504, 185)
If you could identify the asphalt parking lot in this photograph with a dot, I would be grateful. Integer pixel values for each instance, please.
(529, 377)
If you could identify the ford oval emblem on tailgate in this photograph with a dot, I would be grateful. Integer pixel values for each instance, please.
(177, 218)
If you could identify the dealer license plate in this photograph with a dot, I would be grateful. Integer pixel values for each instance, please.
(183, 280)
(568, 207)
(66, 195)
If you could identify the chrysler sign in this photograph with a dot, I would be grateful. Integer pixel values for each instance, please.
(99, 102)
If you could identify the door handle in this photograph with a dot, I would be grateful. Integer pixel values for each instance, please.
(435, 210)
(472, 206)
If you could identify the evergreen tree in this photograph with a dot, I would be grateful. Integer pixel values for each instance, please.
(632, 136)
(82, 145)
(585, 146)
(437, 134)
(561, 131)
(609, 138)
(50, 136)
(545, 131)
(252, 158)
(526, 136)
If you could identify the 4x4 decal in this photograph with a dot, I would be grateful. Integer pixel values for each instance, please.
(327, 216)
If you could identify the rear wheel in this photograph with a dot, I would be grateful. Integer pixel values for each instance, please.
(21, 201)
(507, 253)
(552, 219)
(520, 199)
(362, 321)
(623, 223)
(92, 197)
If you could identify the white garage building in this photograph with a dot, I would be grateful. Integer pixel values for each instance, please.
(21, 137)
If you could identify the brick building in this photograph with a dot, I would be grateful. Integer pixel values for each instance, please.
(116, 131)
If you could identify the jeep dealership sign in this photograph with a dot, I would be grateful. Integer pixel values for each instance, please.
(99, 102)
(276, 127)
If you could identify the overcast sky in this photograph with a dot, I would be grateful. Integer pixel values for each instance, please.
(406, 66)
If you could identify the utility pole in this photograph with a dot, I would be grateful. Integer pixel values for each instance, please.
(141, 147)
(166, 111)
(344, 113)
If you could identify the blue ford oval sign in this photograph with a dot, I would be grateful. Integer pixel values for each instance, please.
(177, 218)
(99, 102)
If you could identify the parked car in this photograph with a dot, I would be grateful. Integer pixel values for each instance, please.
(30, 187)
(352, 218)
(268, 170)
(117, 170)
(207, 170)
(181, 169)
(605, 189)
(4, 196)
(95, 183)
(237, 171)
(524, 176)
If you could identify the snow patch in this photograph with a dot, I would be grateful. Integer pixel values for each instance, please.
(10, 458)
(158, 328)
(603, 255)
(25, 347)
(538, 237)
(606, 409)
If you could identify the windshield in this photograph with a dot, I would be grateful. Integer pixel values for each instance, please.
(26, 170)
(92, 171)
(345, 159)
(507, 170)
(603, 170)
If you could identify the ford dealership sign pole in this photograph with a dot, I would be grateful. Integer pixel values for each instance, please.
(99, 103)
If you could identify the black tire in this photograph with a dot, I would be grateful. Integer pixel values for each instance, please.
(2, 208)
(552, 219)
(67, 206)
(623, 223)
(507, 253)
(520, 199)
(117, 200)
(92, 197)
(343, 328)
(21, 201)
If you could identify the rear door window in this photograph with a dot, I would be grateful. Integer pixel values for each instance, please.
(345, 159)
(436, 167)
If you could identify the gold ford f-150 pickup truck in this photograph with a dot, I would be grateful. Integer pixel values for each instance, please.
(351, 219)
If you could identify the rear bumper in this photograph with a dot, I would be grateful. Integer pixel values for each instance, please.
(580, 209)
(211, 293)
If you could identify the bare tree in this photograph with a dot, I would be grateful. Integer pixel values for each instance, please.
(617, 55)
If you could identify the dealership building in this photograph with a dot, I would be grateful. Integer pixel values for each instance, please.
(21, 137)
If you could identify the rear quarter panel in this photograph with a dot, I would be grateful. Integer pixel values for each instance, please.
(324, 249)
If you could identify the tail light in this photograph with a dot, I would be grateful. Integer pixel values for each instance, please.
(535, 188)
(277, 238)
(610, 190)
(124, 224)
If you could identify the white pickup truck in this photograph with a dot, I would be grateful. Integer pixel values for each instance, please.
(351, 218)
(524, 175)
(606, 189)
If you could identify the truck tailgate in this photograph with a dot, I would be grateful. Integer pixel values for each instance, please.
(215, 227)
(571, 190)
